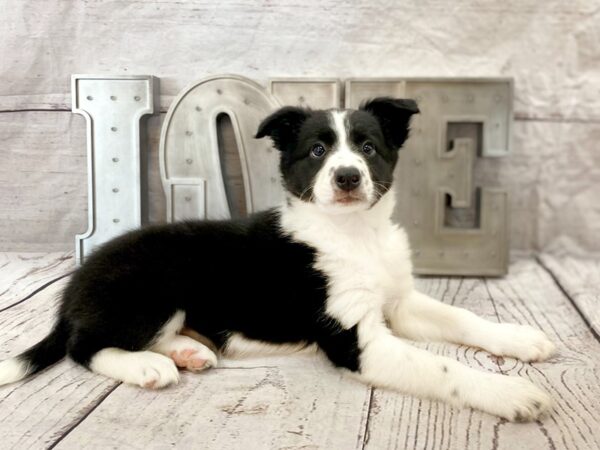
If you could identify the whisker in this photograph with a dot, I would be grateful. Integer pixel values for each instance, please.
(309, 188)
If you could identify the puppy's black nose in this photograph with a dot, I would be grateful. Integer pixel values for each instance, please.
(347, 178)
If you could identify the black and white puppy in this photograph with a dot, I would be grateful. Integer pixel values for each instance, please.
(327, 268)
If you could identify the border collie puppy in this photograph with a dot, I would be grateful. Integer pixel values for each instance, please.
(327, 268)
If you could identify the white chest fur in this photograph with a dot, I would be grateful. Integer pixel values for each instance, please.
(365, 257)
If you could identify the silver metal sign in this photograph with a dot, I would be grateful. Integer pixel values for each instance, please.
(190, 163)
(189, 151)
(455, 228)
(113, 108)
(434, 177)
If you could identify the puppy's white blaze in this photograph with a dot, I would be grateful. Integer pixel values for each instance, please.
(339, 119)
(12, 370)
(341, 155)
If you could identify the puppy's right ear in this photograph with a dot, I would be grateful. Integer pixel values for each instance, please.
(283, 126)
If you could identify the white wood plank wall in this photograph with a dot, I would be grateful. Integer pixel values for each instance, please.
(549, 47)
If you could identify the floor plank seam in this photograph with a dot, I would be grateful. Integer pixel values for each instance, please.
(244, 367)
(37, 291)
(568, 296)
(8, 111)
(493, 301)
(365, 439)
(84, 416)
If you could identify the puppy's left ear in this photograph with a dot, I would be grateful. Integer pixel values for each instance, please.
(283, 126)
(393, 115)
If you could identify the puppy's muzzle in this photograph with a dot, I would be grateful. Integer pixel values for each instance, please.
(347, 178)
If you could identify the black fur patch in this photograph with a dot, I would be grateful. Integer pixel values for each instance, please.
(229, 277)
(393, 115)
(294, 131)
(363, 128)
(298, 168)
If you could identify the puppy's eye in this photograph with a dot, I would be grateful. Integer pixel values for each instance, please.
(317, 151)
(368, 148)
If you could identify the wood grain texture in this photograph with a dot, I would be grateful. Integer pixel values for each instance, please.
(269, 403)
(527, 295)
(43, 184)
(580, 278)
(38, 411)
(21, 274)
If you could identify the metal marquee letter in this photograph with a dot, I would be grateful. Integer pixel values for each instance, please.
(113, 108)
(190, 162)
(434, 177)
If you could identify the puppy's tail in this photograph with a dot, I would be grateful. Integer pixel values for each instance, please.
(48, 351)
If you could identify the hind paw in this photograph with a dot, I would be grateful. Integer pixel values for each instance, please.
(146, 369)
(155, 372)
(187, 353)
(192, 359)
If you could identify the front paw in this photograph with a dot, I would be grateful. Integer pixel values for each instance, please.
(522, 342)
(513, 398)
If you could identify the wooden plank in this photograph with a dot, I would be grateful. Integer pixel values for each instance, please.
(35, 102)
(527, 295)
(54, 102)
(297, 401)
(43, 193)
(21, 274)
(580, 278)
(37, 412)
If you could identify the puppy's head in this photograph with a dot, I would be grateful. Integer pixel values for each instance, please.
(342, 161)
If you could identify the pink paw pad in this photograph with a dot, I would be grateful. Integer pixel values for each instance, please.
(150, 384)
(187, 359)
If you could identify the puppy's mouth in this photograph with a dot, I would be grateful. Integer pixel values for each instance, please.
(348, 198)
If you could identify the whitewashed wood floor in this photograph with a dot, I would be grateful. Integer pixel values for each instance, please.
(300, 402)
